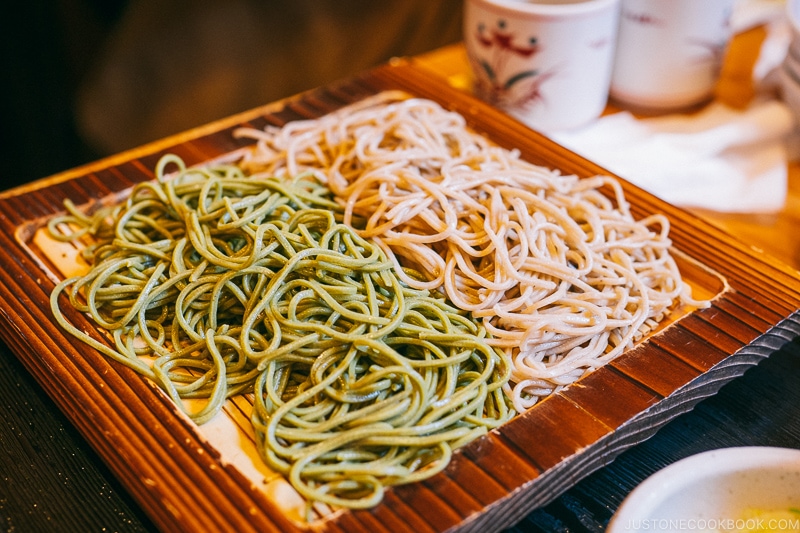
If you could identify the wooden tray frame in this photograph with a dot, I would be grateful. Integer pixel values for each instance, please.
(490, 484)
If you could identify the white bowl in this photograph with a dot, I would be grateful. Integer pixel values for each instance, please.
(789, 88)
(718, 490)
(793, 16)
(792, 63)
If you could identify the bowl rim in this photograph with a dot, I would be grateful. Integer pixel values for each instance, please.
(792, 10)
(656, 488)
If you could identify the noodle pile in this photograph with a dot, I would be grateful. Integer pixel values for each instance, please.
(383, 281)
(213, 283)
(561, 275)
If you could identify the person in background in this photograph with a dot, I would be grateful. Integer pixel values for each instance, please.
(91, 78)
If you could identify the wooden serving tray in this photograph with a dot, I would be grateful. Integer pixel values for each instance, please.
(185, 482)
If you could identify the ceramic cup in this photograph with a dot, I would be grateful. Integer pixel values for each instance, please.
(669, 52)
(546, 62)
(793, 17)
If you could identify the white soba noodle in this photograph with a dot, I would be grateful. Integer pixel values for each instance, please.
(561, 275)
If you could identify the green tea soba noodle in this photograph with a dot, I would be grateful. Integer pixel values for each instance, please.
(213, 284)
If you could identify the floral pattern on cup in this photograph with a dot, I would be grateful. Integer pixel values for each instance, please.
(547, 64)
(498, 83)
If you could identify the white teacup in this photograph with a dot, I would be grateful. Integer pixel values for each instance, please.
(546, 62)
(670, 52)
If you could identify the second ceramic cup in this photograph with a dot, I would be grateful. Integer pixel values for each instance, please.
(546, 62)
(669, 52)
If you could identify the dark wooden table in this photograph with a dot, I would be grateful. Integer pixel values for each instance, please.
(51, 480)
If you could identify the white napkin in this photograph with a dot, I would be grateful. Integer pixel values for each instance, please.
(720, 158)
(748, 14)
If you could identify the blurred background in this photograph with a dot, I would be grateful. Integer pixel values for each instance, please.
(83, 79)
